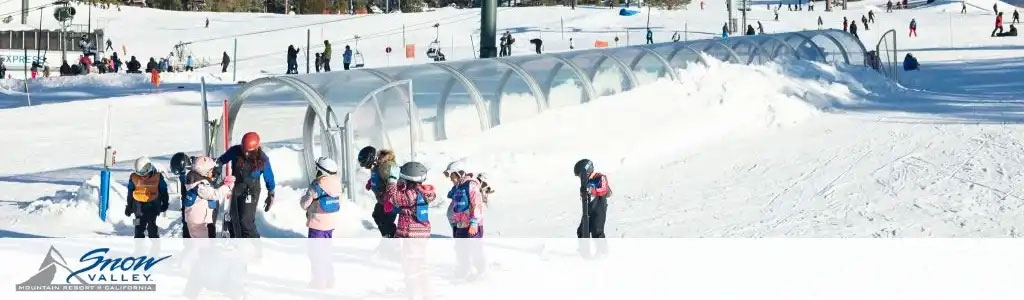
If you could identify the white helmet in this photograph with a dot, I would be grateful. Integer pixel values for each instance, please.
(327, 165)
(204, 165)
(455, 167)
(143, 166)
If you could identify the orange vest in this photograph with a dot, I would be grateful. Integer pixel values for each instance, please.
(146, 188)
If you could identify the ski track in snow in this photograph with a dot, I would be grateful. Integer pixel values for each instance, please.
(802, 150)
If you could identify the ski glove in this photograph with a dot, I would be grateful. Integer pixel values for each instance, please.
(163, 206)
(128, 209)
(269, 201)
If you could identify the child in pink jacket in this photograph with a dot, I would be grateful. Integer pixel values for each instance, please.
(412, 197)
(321, 199)
(466, 210)
(201, 198)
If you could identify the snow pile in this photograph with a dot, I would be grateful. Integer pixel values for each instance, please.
(82, 206)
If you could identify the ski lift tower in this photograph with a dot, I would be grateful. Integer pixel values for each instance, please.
(488, 27)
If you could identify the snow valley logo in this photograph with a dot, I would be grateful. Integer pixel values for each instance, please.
(98, 273)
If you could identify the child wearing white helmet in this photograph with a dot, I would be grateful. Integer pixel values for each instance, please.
(466, 210)
(147, 198)
(321, 200)
(201, 197)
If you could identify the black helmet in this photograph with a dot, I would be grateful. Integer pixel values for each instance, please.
(413, 171)
(367, 155)
(180, 163)
(584, 167)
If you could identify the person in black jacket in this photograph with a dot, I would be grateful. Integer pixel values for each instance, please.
(134, 65)
(293, 64)
(65, 69)
(248, 164)
(3, 69)
(225, 60)
(151, 65)
(537, 43)
(117, 62)
(750, 30)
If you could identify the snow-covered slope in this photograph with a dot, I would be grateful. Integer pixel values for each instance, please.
(800, 149)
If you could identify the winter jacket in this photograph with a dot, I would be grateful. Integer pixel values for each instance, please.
(385, 172)
(598, 185)
(189, 62)
(293, 54)
(347, 56)
(467, 205)
(200, 212)
(153, 197)
(248, 179)
(913, 24)
(316, 218)
(327, 52)
(134, 66)
(225, 60)
(999, 21)
(404, 197)
(151, 65)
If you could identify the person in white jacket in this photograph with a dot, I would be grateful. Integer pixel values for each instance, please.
(201, 198)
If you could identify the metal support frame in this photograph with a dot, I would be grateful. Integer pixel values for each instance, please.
(623, 67)
(895, 56)
(349, 147)
(664, 62)
(320, 108)
(588, 87)
(782, 44)
(440, 132)
(755, 48)
(542, 100)
(839, 45)
(681, 47)
(713, 43)
(807, 40)
(839, 34)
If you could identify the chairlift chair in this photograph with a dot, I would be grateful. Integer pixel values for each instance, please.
(357, 57)
(434, 50)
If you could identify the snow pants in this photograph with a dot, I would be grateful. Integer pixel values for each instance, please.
(146, 224)
(224, 68)
(346, 65)
(1000, 28)
(320, 234)
(211, 230)
(469, 254)
(385, 221)
(327, 64)
(198, 231)
(598, 210)
(243, 213)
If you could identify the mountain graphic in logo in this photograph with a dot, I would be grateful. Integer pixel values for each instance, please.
(53, 267)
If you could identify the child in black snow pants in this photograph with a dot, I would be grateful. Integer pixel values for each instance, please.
(595, 188)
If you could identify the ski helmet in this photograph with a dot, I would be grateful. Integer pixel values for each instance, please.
(455, 167)
(327, 165)
(250, 141)
(367, 155)
(413, 171)
(584, 167)
(204, 165)
(143, 166)
(180, 163)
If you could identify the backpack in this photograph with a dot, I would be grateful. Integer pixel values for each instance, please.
(460, 197)
(191, 196)
(328, 204)
(421, 208)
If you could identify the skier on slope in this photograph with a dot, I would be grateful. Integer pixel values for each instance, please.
(820, 23)
(871, 16)
(597, 190)
(224, 61)
(650, 36)
(913, 28)
(760, 28)
(147, 198)
(412, 198)
(248, 164)
(466, 209)
(383, 172)
(999, 24)
(864, 20)
(1016, 17)
(853, 29)
(201, 198)
(725, 31)
(321, 199)
(888, 6)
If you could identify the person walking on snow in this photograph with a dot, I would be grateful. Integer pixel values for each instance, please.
(846, 25)
(224, 61)
(502, 41)
(207, 22)
(675, 36)
(853, 28)
(384, 171)
(871, 16)
(189, 64)
(963, 7)
(725, 31)
(702, 5)
(412, 198)
(346, 57)
(466, 209)
(248, 164)
(650, 36)
(202, 198)
(1016, 17)
(147, 198)
(913, 28)
(864, 20)
(321, 199)
(327, 56)
(318, 61)
(597, 190)
(995, 8)
(888, 6)
(820, 23)
(999, 24)
(293, 64)
(760, 28)
(110, 45)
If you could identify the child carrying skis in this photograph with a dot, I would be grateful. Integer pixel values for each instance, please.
(596, 191)
(383, 173)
